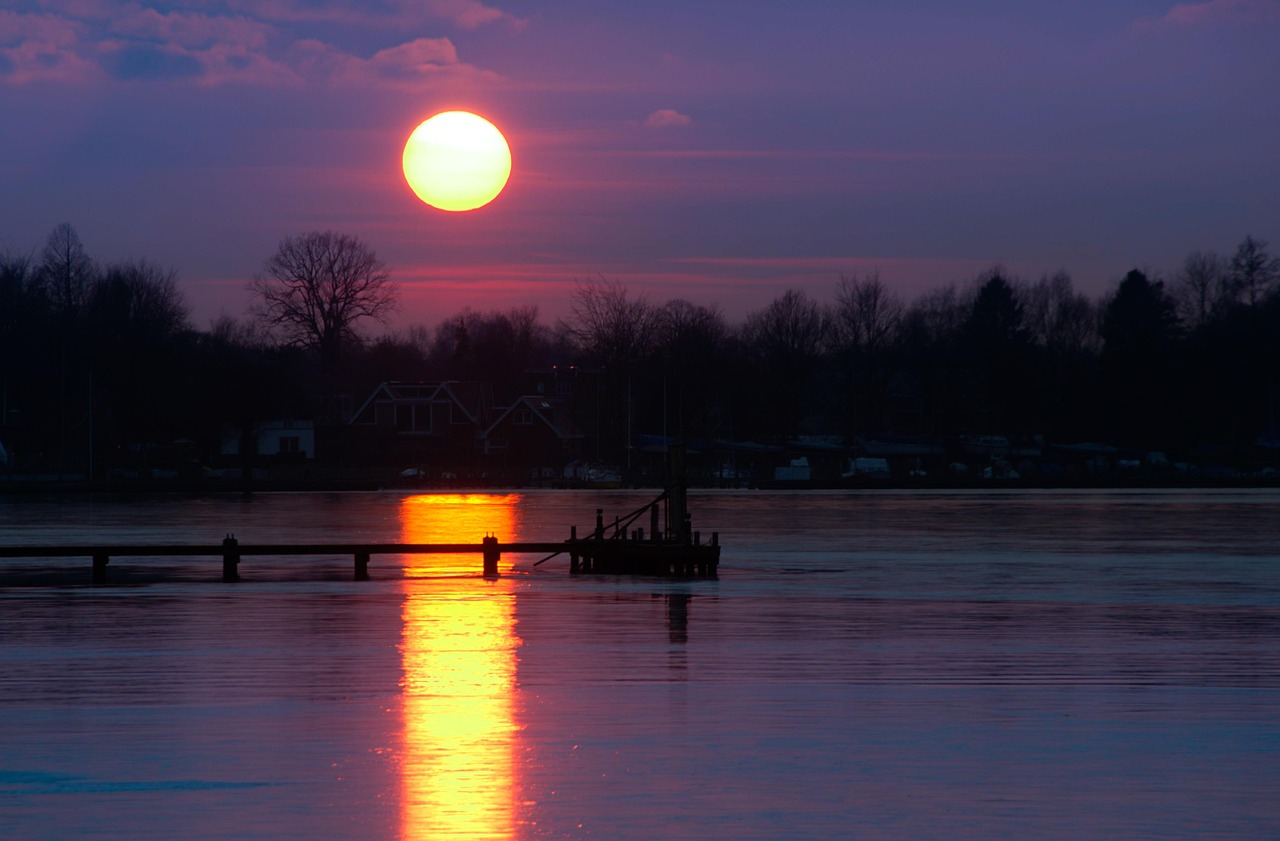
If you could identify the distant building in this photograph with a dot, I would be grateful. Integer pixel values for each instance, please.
(423, 424)
(533, 438)
(285, 439)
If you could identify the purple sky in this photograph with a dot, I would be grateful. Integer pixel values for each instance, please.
(715, 151)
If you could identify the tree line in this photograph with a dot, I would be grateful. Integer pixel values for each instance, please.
(102, 363)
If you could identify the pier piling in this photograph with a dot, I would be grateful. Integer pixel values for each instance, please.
(230, 559)
(491, 556)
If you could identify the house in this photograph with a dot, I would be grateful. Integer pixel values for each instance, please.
(532, 438)
(423, 424)
(292, 440)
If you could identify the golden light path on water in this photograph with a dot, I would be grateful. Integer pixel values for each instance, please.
(458, 654)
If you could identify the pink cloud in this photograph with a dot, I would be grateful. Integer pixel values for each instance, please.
(1215, 12)
(667, 118)
(467, 14)
(422, 61)
(470, 14)
(41, 48)
(417, 56)
(190, 29)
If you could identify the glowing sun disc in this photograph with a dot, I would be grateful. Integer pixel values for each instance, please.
(457, 160)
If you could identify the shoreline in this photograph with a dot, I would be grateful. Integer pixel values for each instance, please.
(215, 488)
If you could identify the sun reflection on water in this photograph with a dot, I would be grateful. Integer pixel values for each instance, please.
(458, 655)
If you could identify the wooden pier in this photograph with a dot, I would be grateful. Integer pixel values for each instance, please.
(669, 550)
(614, 551)
(232, 551)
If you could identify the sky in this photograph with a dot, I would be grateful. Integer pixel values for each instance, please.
(720, 152)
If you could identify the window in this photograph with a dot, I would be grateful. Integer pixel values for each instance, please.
(290, 445)
(524, 418)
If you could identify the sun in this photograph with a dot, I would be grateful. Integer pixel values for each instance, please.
(457, 160)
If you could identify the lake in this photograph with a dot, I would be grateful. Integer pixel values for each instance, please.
(876, 665)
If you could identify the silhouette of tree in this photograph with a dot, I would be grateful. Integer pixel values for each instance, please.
(494, 347)
(785, 339)
(930, 347)
(1254, 271)
(134, 317)
(609, 325)
(138, 300)
(1059, 319)
(1062, 324)
(66, 270)
(690, 346)
(866, 323)
(613, 331)
(27, 356)
(1204, 288)
(996, 347)
(318, 286)
(1138, 364)
(23, 303)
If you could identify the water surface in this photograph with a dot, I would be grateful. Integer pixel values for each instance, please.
(873, 666)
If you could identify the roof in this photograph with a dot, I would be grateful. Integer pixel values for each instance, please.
(548, 410)
(474, 400)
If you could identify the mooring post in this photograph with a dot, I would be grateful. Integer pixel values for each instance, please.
(573, 553)
(99, 569)
(230, 558)
(491, 555)
(362, 566)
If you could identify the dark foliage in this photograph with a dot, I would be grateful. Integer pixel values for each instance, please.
(101, 367)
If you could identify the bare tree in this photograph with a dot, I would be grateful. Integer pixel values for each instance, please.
(490, 346)
(318, 286)
(1202, 287)
(139, 298)
(66, 270)
(1254, 272)
(614, 331)
(865, 323)
(691, 350)
(1060, 320)
(608, 323)
(867, 313)
(787, 338)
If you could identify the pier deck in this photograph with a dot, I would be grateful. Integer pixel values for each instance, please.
(592, 554)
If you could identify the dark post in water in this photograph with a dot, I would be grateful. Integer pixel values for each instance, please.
(491, 555)
(230, 559)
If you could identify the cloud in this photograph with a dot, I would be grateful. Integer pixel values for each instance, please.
(466, 14)
(422, 61)
(667, 118)
(1215, 12)
(190, 30)
(471, 14)
(422, 55)
(139, 44)
(150, 61)
(41, 48)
